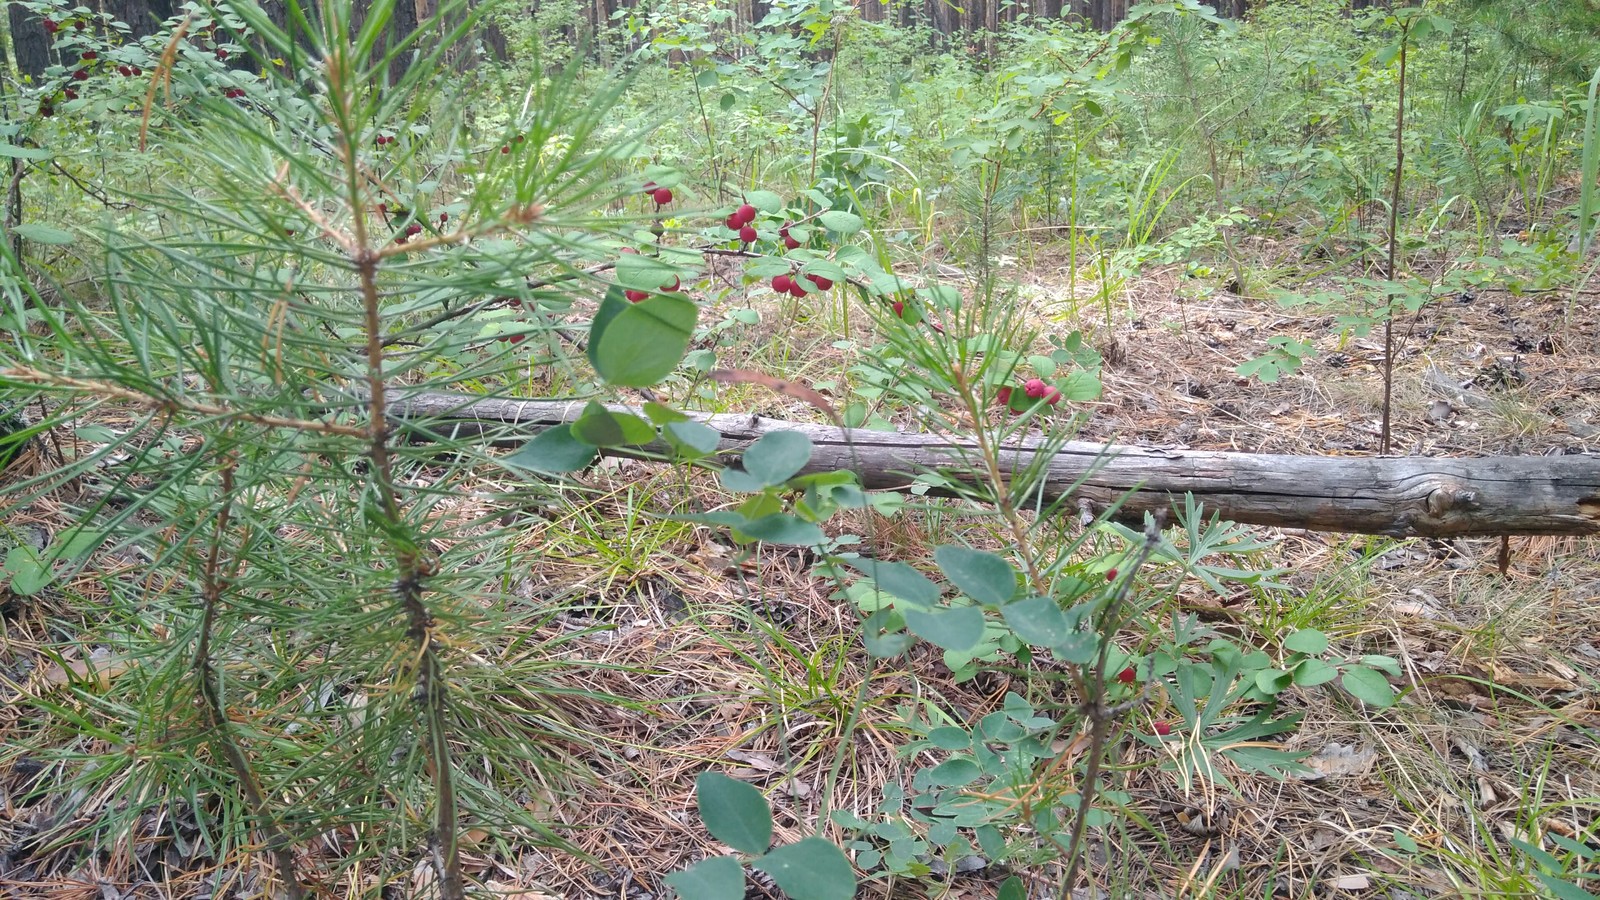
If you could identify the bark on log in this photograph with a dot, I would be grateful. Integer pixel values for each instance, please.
(1398, 496)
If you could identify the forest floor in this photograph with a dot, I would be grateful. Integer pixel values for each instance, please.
(749, 667)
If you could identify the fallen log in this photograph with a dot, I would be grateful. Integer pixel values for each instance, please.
(1397, 496)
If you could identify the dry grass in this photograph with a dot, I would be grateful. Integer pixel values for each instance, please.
(751, 667)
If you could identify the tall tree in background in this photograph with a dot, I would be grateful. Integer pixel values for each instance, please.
(29, 42)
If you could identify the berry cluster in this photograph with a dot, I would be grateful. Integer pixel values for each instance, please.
(233, 93)
(383, 139)
(52, 26)
(635, 296)
(1033, 389)
(661, 195)
(795, 285)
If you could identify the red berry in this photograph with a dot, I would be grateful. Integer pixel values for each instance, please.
(899, 308)
(633, 250)
(46, 111)
(444, 217)
(506, 149)
(662, 196)
(222, 54)
(124, 70)
(1002, 396)
(401, 239)
(288, 232)
(1162, 728)
(1126, 676)
(80, 25)
(1052, 396)
(634, 296)
(790, 243)
(1111, 574)
(796, 288)
(733, 222)
(677, 284)
(88, 54)
(746, 214)
(518, 338)
(1034, 388)
(518, 139)
(52, 26)
(136, 70)
(80, 75)
(823, 284)
(782, 283)
(69, 93)
(747, 234)
(650, 187)
(413, 228)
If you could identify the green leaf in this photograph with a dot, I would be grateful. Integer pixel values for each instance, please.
(734, 812)
(717, 878)
(1079, 648)
(899, 580)
(1368, 686)
(29, 573)
(1037, 620)
(603, 428)
(638, 344)
(955, 772)
(727, 101)
(844, 223)
(777, 457)
(810, 869)
(984, 577)
(1012, 889)
(1382, 663)
(1312, 672)
(1079, 387)
(881, 634)
(949, 737)
(1309, 641)
(692, 438)
(554, 451)
(43, 234)
(783, 528)
(661, 414)
(959, 628)
(1563, 890)
(12, 151)
(766, 201)
(1272, 681)
(75, 542)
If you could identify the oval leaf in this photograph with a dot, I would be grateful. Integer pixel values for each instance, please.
(1309, 641)
(959, 628)
(1368, 686)
(717, 878)
(554, 451)
(984, 577)
(881, 634)
(810, 869)
(734, 812)
(43, 234)
(777, 457)
(844, 223)
(899, 580)
(692, 438)
(1037, 620)
(782, 528)
(638, 344)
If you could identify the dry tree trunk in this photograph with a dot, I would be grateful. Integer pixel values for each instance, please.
(1398, 496)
